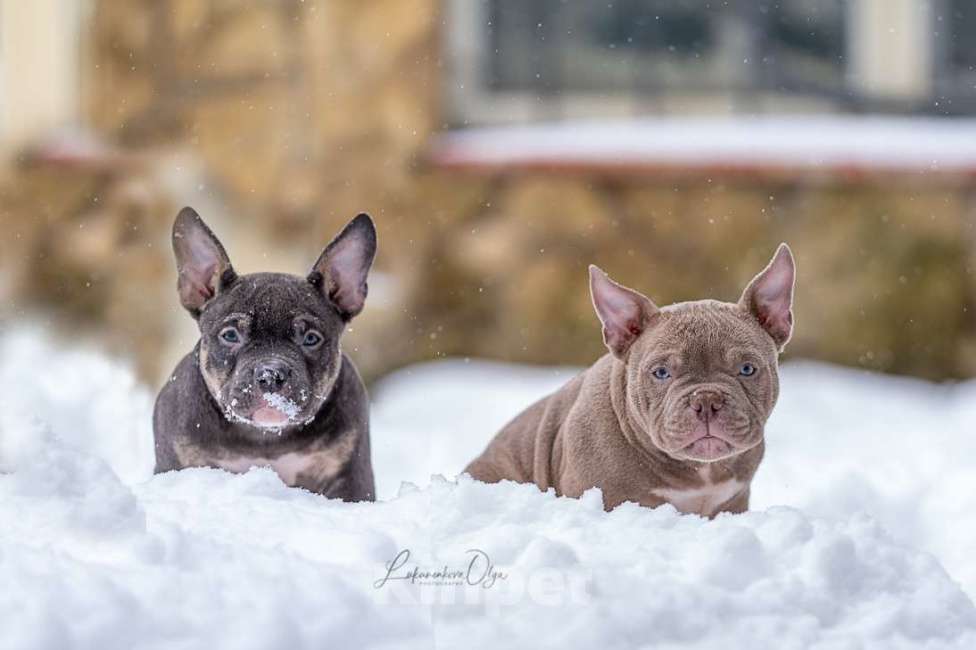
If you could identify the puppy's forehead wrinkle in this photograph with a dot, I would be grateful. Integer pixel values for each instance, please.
(706, 330)
(278, 299)
(237, 318)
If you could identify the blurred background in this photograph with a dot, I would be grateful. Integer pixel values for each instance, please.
(501, 146)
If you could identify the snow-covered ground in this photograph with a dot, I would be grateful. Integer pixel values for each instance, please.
(862, 533)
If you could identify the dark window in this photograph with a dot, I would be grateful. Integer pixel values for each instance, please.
(955, 49)
(596, 46)
(962, 37)
(805, 43)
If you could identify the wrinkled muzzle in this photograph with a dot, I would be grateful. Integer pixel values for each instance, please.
(269, 392)
(709, 422)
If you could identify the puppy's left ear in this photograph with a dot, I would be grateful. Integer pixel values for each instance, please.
(340, 272)
(769, 297)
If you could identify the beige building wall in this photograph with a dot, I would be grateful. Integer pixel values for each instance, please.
(891, 48)
(39, 66)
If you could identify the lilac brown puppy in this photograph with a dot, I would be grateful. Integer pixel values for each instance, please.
(674, 413)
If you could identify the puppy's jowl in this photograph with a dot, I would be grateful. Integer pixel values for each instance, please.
(267, 384)
(675, 413)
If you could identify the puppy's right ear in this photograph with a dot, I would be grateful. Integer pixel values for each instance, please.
(624, 313)
(201, 261)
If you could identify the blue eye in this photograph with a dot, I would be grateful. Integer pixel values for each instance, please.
(747, 370)
(230, 335)
(311, 339)
(661, 373)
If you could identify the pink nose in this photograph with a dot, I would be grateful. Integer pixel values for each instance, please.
(706, 403)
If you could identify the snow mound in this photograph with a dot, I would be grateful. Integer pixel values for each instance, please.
(203, 558)
(840, 443)
(97, 553)
(76, 395)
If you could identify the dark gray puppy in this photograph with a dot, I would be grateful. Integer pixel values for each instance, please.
(267, 384)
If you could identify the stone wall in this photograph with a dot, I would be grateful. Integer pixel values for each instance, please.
(306, 112)
(84, 250)
(886, 268)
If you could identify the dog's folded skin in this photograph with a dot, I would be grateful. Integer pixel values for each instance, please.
(674, 414)
(267, 385)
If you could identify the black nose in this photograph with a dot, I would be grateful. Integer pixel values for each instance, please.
(706, 403)
(271, 376)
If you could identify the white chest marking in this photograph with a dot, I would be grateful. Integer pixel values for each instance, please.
(287, 466)
(703, 500)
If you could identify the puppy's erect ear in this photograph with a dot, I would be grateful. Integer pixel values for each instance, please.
(341, 270)
(769, 297)
(201, 261)
(624, 312)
